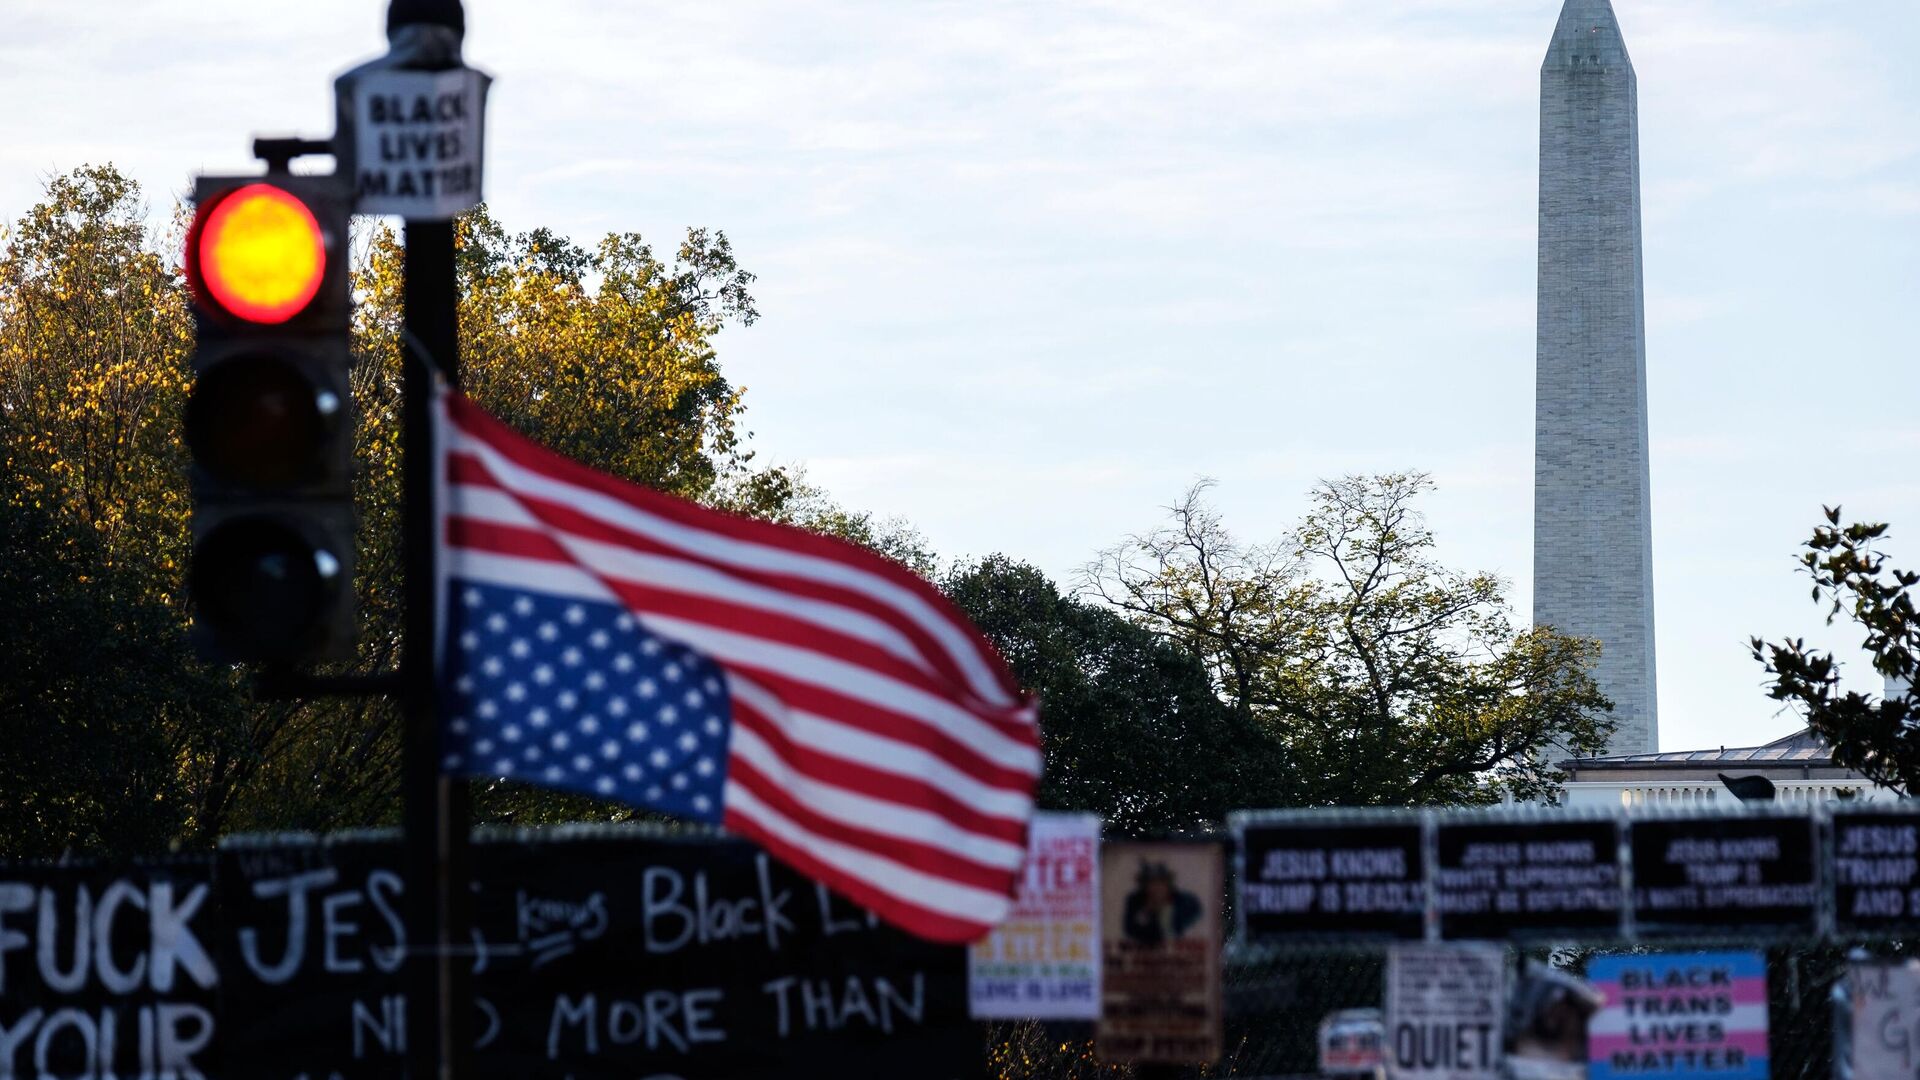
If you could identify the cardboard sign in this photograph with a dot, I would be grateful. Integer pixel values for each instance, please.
(1680, 1015)
(1445, 1008)
(418, 142)
(1876, 872)
(1300, 879)
(1535, 879)
(1160, 932)
(108, 971)
(1885, 1000)
(1719, 874)
(1043, 962)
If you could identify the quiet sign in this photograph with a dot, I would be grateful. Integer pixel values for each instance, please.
(417, 137)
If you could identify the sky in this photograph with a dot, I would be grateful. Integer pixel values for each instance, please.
(1028, 270)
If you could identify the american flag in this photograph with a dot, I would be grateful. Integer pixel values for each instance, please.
(604, 638)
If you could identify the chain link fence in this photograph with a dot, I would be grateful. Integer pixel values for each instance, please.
(1276, 999)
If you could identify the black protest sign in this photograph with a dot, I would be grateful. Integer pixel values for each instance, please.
(606, 956)
(107, 972)
(1876, 872)
(1348, 880)
(1528, 879)
(1720, 875)
(311, 959)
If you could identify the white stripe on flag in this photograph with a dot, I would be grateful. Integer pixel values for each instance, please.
(854, 681)
(902, 822)
(692, 578)
(954, 641)
(862, 747)
(908, 886)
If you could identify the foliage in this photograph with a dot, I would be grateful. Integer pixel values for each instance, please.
(606, 354)
(1133, 729)
(110, 723)
(1879, 738)
(1377, 676)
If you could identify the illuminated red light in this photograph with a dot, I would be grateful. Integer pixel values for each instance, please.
(257, 253)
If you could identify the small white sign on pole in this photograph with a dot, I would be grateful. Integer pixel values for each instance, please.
(1446, 1007)
(417, 142)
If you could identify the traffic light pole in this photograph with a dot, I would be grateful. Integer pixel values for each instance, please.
(437, 814)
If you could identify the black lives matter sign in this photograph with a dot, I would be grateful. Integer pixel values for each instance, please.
(1876, 872)
(604, 957)
(1528, 879)
(417, 142)
(1336, 880)
(1724, 874)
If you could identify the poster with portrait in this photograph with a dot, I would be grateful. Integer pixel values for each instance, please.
(1160, 933)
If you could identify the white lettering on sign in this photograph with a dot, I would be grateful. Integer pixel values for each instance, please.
(417, 142)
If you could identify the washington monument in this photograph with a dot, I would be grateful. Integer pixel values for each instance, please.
(1592, 530)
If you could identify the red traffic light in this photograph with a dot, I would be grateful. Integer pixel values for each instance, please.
(257, 253)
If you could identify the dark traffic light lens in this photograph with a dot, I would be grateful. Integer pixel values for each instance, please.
(263, 587)
(262, 422)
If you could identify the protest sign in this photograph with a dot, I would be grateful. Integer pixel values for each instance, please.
(1160, 931)
(1876, 872)
(1716, 874)
(1445, 1008)
(1885, 1004)
(1697, 1016)
(1304, 877)
(607, 955)
(417, 141)
(107, 971)
(1520, 879)
(1043, 962)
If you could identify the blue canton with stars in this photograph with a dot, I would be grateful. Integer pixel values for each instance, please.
(576, 694)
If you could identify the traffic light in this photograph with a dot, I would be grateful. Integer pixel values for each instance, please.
(270, 419)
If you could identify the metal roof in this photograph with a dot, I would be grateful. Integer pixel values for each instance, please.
(1802, 747)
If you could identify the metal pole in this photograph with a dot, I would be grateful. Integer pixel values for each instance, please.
(437, 816)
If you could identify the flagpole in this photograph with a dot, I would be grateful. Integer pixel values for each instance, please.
(436, 807)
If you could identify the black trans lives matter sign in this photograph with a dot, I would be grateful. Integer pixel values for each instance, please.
(1702, 875)
(596, 957)
(1876, 872)
(1537, 879)
(108, 972)
(1325, 880)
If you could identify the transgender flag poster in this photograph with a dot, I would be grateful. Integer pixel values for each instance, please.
(1673, 1015)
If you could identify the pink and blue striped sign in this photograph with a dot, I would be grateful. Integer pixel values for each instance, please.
(1669, 1016)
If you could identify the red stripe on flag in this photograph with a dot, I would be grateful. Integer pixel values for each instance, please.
(517, 448)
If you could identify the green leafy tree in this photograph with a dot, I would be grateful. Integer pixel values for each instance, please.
(1379, 676)
(1133, 729)
(1878, 735)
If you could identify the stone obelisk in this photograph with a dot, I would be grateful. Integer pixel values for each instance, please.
(1592, 529)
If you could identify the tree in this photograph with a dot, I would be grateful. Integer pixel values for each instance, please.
(607, 354)
(1133, 729)
(1380, 676)
(107, 713)
(1879, 738)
